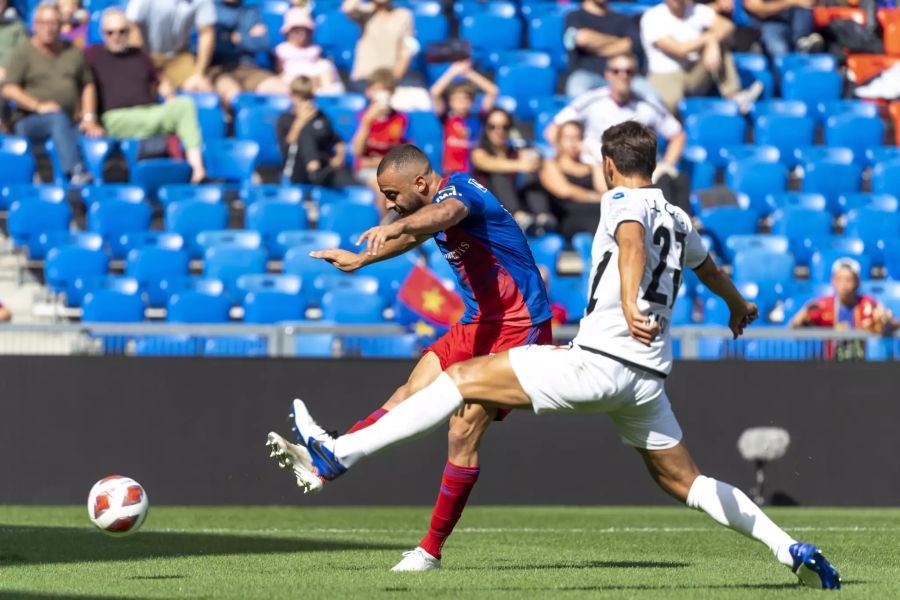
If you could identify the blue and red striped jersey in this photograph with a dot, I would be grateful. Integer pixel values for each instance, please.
(498, 278)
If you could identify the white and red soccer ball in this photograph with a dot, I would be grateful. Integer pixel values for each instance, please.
(117, 505)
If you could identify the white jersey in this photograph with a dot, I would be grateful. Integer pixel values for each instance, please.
(671, 244)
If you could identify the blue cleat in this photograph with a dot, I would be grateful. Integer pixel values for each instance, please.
(813, 569)
(318, 442)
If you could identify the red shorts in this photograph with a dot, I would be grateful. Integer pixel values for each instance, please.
(468, 340)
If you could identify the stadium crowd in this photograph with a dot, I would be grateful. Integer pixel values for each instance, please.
(477, 84)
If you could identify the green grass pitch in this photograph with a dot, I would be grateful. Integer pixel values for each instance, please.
(497, 552)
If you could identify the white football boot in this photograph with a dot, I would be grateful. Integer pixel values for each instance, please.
(298, 459)
(417, 560)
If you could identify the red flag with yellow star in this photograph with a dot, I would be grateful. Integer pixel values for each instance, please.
(424, 294)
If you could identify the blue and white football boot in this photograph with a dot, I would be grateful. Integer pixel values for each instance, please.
(296, 458)
(318, 442)
(813, 569)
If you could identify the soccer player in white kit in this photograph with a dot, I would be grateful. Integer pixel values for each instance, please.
(617, 363)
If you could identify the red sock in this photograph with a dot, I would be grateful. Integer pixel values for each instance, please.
(370, 420)
(456, 484)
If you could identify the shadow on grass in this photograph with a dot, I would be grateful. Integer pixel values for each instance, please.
(20, 545)
(595, 564)
(675, 587)
(23, 595)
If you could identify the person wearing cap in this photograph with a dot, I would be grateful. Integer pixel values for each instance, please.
(241, 35)
(297, 56)
(845, 309)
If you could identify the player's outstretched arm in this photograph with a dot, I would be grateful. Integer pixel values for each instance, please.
(351, 261)
(424, 222)
(632, 260)
(742, 312)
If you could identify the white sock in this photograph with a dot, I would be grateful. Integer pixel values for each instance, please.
(732, 508)
(417, 415)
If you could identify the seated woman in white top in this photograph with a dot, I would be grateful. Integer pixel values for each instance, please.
(298, 56)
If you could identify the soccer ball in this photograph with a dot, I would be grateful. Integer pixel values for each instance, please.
(117, 505)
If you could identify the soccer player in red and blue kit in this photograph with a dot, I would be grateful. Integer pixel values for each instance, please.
(506, 306)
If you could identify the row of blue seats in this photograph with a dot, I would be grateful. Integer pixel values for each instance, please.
(717, 348)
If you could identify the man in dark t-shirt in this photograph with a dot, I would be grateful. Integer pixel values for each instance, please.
(127, 88)
(313, 152)
(592, 34)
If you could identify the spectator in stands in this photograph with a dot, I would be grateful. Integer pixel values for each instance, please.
(453, 103)
(785, 25)
(313, 152)
(127, 86)
(74, 22)
(592, 34)
(241, 34)
(297, 56)
(12, 33)
(499, 166)
(163, 28)
(387, 41)
(575, 187)
(683, 43)
(48, 79)
(380, 129)
(600, 109)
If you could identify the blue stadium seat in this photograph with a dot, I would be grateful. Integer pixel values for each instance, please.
(756, 179)
(430, 27)
(27, 192)
(315, 345)
(16, 168)
(855, 132)
(715, 311)
(757, 152)
(390, 274)
(831, 108)
(28, 219)
(886, 202)
(153, 173)
(886, 178)
(271, 217)
(892, 262)
(491, 32)
(544, 108)
(246, 100)
(236, 345)
(757, 241)
(113, 218)
(763, 267)
(439, 266)
(364, 285)
(823, 260)
(343, 306)
(347, 101)
(309, 240)
(785, 132)
(712, 132)
(501, 8)
(382, 346)
(525, 81)
(335, 29)
(227, 263)
(204, 303)
(82, 239)
(117, 303)
(258, 124)
(188, 218)
(877, 229)
(725, 221)
(546, 250)
(812, 86)
(832, 179)
(297, 261)
(186, 191)
(796, 200)
(882, 154)
(798, 224)
(155, 239)
(426, 131)
(683, 309)
(272, 298)
(272, 12)
(358, 194)
(571, 292)
(283, 193)
(837, 154)
(583, 243)
(849, 246)
(696, 105)
(230, 159)
(754, 67)
(797, 61)
(155, 268)
(545, 32)
(344, 119)
(94, 152)
(347, 219)
(238, 238)
(793, 108)
(167, 345)
(118, 192)
(68, 263)
(209, 114)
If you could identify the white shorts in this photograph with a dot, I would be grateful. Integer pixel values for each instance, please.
(569, 379)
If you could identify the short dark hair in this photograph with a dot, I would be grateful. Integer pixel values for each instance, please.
(632, 148)
(404, 156)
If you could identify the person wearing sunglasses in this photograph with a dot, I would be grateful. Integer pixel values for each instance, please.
(128, 86)
(512, 173)
(52, 86)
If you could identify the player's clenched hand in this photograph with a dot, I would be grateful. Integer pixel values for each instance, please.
(377, 236)
(342, 259)
(741, 316)
(642, 328)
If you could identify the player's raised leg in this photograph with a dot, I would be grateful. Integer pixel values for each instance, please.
(675, 472)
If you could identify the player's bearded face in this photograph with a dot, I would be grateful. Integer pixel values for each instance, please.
(404, 194)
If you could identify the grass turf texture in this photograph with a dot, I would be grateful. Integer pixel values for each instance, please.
(297, 552)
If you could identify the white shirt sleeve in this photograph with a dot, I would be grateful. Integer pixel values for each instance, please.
(136, 11)
(206, 14)
(622, 207)
(694, 251)
(704, 15)
(653, 25)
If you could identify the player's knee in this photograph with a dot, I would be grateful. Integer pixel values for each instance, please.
(460, 373)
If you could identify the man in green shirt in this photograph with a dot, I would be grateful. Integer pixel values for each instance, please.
(50, 83)
(12, 33)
